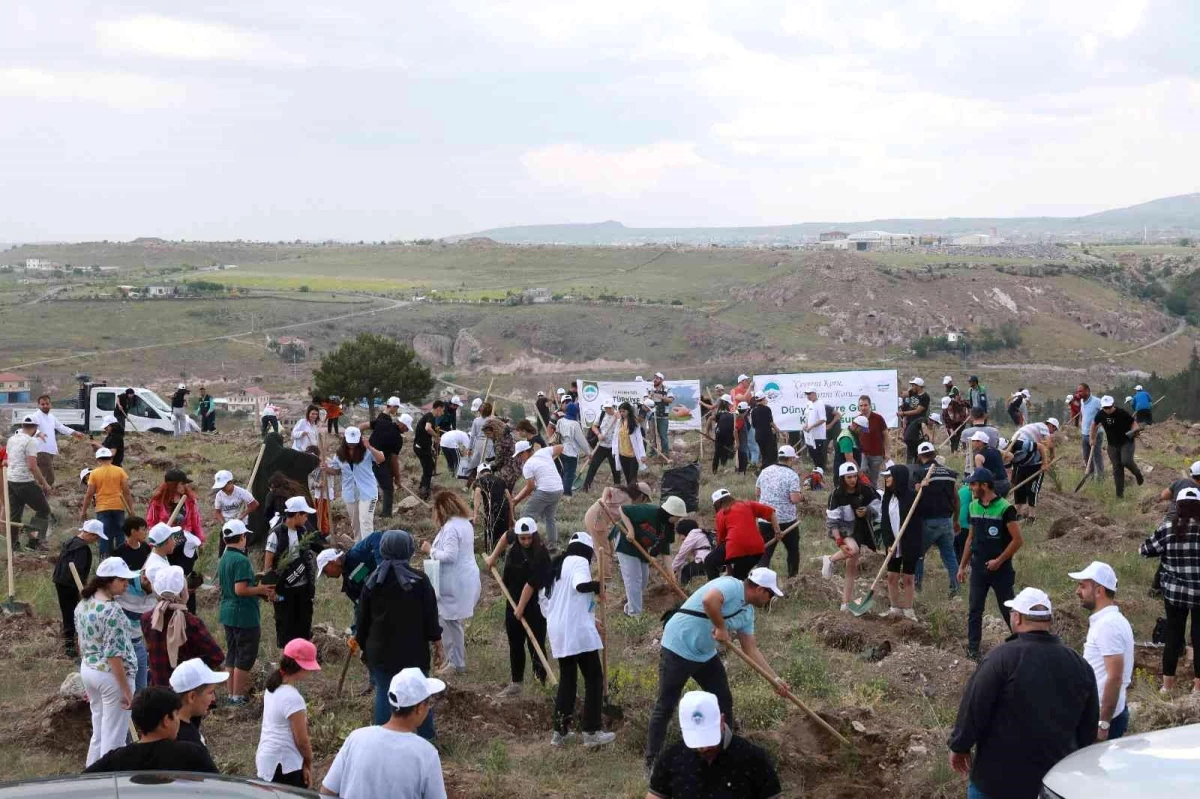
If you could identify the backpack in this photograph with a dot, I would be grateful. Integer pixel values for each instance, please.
(682, 482)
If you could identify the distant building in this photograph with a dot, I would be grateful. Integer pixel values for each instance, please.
(39, 264)
(834, 235)
(537, 295)
(158, 291)
(13, 388)
(250, 400)
(878, 240)
(228, 266)
(977, 240)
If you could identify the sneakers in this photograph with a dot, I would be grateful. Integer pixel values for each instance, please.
(890, 613)
(909, 614)
(561, 739)
(844, 608)
(511, 690)
(236, 701)
(599, 738)
(827, 568)
(973, 654)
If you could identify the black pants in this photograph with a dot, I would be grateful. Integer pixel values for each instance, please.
(22, 494)
(740, 566)
(960, 543)
(910, 449)
(1121, 458)
(1144, 418)
(428, 462)
(588, 664)
(723, 451)
(451, 455)
(293, 778)
(999, 582)
(791, 543)
(293, 618)
(673, 674)
(743, 456)
(68, 598)
(1173, 648)
(817, 453)
(387, 486)
(768, 449)
(601, 456)
(332, 424)
(518, 642)
(629, 466)
(208, 423)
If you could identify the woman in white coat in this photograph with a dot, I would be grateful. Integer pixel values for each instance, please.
(458, 574)
(627, 447)
(306, 432)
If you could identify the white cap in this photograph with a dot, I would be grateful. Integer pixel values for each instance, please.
(926, 448)
(936, 418)
(981, 436)
(582, 538)
(560, 391)
(191, 674)
(190, 544)
(916, 381)
(525, 526)
(607, 404)
(1098, 572)
(183, 385)
(1052, 420)
(1137, 388)
(103, 452)
(476, 404)
(847, 468)
(660, 375)
(720, 494)
(765, 578)
(743, 406)
(1107, 401)
(406, 420)
(325, 557)
(945, 403)
(727, 398)
(483, 467)
(742, 377)
(160, 532)
(647, 402)
(169, 580)
(947, 380)
(787, 451)
(222, 479)
(352, 435)
(28, 419)
(1070, 398)
(819, 470)
(233, 528)
(298, 505)
(861, 421)
(393, 402)
(700, 719)
(456, 400)
(1195, 470)
(1189, 493)
(1030, 598)
(107, 420)
(1025, 393)
(83, 474)
(93, 526)
(1128, 400)
(522, 446)
(410, 688)
(1002, 443)
(541, 393)
(115, 567)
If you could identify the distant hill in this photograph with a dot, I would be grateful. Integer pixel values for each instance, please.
(1164, 218)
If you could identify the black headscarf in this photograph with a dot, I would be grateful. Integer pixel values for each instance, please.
(902, 491)
(276, 457)
(395, 551)
(574, 548)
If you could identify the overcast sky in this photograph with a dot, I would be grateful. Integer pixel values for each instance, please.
(269, 119)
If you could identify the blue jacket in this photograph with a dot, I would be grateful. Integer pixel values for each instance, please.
(364, 554)
(1142, 401)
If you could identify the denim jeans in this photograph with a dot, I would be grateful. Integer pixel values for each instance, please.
(941, 533)
(143, 664)
(1096, 467)
(975, 793)
(1118, 725)
(382, 678)
(569, 463)
(663, 425)
(752, 444)
(112, 521)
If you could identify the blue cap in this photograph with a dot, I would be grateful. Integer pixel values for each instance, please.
(982, 475)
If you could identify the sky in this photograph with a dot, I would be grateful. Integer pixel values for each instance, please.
(269, 120)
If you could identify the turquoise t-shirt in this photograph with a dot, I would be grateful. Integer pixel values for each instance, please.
(691, 638)
(964, 507)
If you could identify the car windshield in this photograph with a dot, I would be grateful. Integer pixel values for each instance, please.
(153, 400)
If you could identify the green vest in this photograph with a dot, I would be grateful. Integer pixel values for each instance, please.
(990, 535)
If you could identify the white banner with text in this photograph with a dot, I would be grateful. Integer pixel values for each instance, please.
(839, 390)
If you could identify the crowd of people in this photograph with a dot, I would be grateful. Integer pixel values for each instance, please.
(147, 660)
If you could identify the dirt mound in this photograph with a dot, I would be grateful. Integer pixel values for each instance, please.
(331, 645)
(25, 635)
(855, 634)
(61, 724)
(480, 714)
(1159, 714)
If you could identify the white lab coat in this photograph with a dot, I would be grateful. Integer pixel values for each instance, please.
(458, 578)
(635, 438)
(305, 435)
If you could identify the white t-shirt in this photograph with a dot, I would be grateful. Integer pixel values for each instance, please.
(1037, 432)
(232, 505)
(540, 469)
(455, 439)
(272, 544)
(1109, 633)
(375, 762)
(20, 448)
(49, 426)
(570, 623)
(154, 562)
(816, 412)
(276, 746)
(775, 486)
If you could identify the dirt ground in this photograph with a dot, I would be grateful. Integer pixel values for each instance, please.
(890, 686)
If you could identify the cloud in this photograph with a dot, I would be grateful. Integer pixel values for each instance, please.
(109, 88)
(620, 173)
(187, 39)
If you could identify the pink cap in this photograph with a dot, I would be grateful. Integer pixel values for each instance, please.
(303, 652)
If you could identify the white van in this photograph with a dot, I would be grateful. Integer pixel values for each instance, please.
(148, 413)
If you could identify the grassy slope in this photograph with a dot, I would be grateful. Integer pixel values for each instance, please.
(494, 749)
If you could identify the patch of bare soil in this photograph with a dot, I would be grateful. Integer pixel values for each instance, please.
(468, 710)
(61, 724)
(36, 637)
(855, 634)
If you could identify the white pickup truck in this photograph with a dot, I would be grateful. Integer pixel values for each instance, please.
(147, 414)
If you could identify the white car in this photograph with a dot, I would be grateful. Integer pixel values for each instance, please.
(1153, 765)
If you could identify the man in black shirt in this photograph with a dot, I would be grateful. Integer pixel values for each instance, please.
(763, 423)
(425, 445)
(385, 437)
(76, 550)
(1031, 702)
(914, 412)
(135, 550)
(939, 510)
(179, 415)
(195, 685)
(1120, 428)
(156, 716)
(711, 762)
(114, 439)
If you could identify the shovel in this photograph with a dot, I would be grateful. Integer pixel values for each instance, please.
(864, 605)
(11, 605)
(608, 708)
(1087, 467)
(528, 631)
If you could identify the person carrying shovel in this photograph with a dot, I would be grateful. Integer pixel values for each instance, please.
(526, 571)
(993, 538)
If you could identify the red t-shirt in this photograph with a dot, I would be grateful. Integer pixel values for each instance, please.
(871, 440)
(737, 528)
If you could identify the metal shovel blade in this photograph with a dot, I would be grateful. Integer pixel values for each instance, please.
(864, 605)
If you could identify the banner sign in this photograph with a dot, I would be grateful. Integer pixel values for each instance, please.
(684, 413)
(839, 390)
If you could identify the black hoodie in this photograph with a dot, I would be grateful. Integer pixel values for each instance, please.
(74, 550)
(902, 492)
